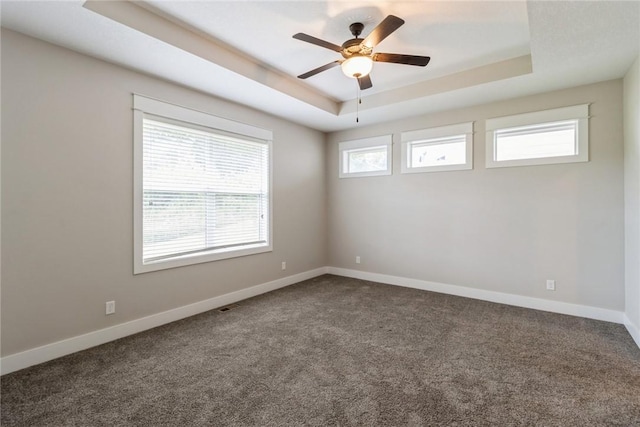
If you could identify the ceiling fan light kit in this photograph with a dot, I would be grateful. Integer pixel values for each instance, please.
(358, 56)
(357, 66)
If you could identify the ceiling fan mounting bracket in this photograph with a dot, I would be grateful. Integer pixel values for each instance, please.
(356, 29)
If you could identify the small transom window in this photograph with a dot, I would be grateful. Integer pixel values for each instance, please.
(444, 148)
(365, 157)
(536, 138)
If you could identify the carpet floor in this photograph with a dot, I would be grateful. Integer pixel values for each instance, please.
(341, 351)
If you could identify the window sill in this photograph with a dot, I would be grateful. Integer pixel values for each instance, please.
(200, 257)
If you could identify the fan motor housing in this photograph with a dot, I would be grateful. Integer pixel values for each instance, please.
(354, 47)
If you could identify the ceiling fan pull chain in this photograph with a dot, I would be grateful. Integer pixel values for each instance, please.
(358, 102)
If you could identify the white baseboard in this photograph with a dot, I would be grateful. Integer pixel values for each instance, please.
(485, 295)
(54, 350)
(633, 330)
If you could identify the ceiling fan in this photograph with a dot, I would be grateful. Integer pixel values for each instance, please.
(358, 55)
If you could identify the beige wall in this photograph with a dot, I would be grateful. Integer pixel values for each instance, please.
(632, 194)
(506, 229)
(67, 203)
(67, 244)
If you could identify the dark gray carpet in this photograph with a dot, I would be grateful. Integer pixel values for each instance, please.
(338, 351)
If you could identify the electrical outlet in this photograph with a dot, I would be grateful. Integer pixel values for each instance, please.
(357, 260)
(284, 265)
(551, 285)
(110, 307)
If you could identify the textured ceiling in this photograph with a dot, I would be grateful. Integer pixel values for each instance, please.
(243, 51)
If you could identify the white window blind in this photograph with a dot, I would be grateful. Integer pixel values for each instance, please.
(201, 187)
(203, 190)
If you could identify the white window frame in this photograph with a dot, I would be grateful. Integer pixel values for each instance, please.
(378, 141)
(436, 135)
(580, 113)
(143, 105)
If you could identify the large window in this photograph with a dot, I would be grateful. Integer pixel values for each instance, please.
(560, 135)
(444, 148)
(202, 189)
(365, 157)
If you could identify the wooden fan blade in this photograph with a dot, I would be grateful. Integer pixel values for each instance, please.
(313, 40)
(365, 82)
(318, 70)
(386, 27)
(397, 58)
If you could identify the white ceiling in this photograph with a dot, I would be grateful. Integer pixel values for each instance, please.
(243, 50)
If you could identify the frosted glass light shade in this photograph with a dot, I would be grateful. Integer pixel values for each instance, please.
(357, 66)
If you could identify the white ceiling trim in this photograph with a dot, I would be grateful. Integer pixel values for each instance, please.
(161, 28)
